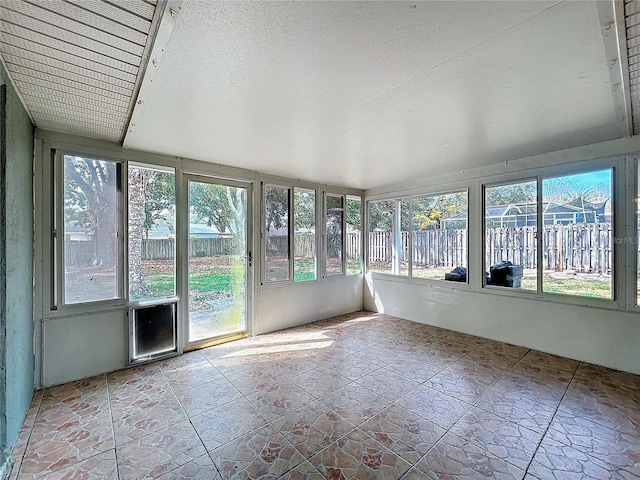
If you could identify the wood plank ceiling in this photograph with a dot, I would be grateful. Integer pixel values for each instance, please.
(77, 64)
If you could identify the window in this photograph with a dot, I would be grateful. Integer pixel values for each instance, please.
(90, 227)
(577, 238)
(439, 235)
(510, 221)
(334, 234)
(354, 235)
(276, 210)
(388, 236)
(291, 254)
(304, 234)
(570, 252)
(152, 228)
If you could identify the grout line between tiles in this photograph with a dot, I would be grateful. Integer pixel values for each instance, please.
(113, 427)
(28, 441)
(544, 435)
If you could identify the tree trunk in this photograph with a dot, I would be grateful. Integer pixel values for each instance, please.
(137, 183)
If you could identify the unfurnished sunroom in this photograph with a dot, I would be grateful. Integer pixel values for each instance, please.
(182, 174)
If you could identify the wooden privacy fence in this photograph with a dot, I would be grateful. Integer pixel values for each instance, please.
(161, 249)
(305, 245)
(582, 247)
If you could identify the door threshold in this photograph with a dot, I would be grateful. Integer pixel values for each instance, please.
(215, 341)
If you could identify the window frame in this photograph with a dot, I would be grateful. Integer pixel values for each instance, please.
(483, 248)
(158, 168)
(616, 164)
(409, 195)
(631, 243)
(395, 198)
(293, 235)
(440, 194)
(263, 228)
(362, 235)
(343, 272)
(57, 234)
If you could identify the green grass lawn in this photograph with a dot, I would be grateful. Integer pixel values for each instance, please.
(305, 268)
(571, 286)
(206, 282)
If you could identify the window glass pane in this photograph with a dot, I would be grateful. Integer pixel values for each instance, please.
(90, 230)
(276, 233)
(152, 233)
(304, 234)
(217, 260)
(577, 238)
(440, 236)
(388, 236)
(510, 235)
(354, 235)
(335, 212)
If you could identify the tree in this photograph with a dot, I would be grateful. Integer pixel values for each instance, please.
(210, 204)
(354, 214)
(381, 215)
(237, 223)
(304, 208)
(221, 206)
(428, 212)
(138, 182)
(335, 212)
(160, 194)
(90, 198)
(276, 205)
(508, 194)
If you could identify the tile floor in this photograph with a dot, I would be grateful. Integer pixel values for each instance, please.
(357, 396)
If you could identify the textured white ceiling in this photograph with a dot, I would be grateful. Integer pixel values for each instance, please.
(369, 94)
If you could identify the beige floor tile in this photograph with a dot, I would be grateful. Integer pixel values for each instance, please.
(287, 404)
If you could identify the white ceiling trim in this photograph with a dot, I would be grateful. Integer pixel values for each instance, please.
(612, 23)
(167, 14)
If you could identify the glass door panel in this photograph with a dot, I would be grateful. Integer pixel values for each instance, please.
(217, 260)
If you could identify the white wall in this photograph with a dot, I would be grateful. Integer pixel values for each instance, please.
(604, 337)
(284, 307)
(81, 346)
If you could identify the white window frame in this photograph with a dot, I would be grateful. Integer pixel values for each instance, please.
(263, 228)
(620, 297)
(362, 233)
(293, 234)
(409, 196)
(321, 192)
(158, 168)
(469, 238)
(58, 284)
(325, 196)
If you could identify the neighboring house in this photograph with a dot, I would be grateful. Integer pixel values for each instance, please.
(524, 214)
(76, 233)
(202, 230)
(160, 231)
